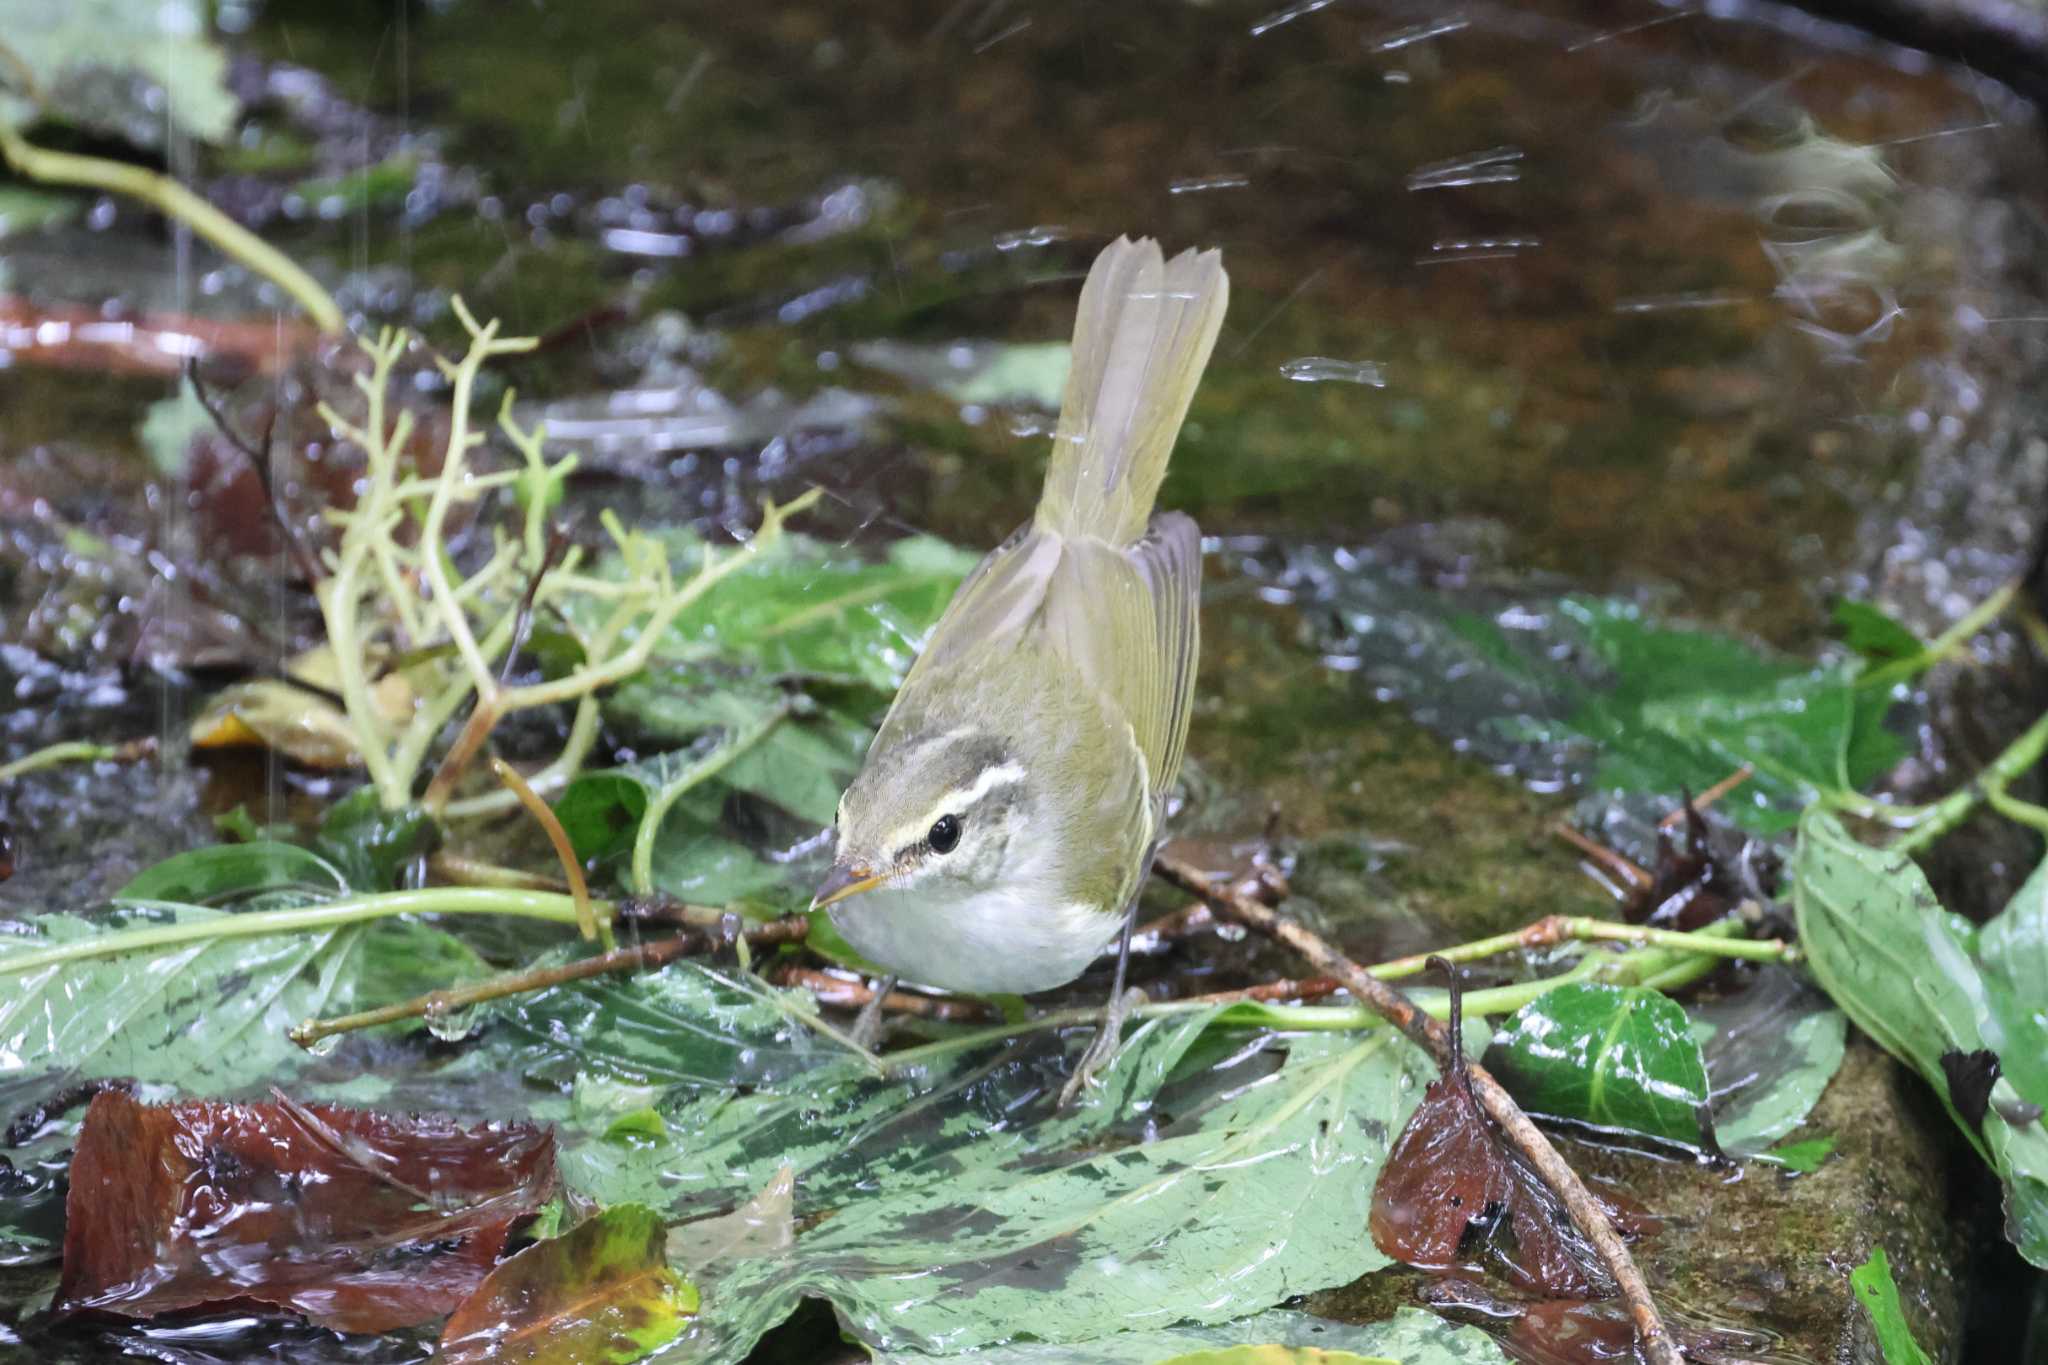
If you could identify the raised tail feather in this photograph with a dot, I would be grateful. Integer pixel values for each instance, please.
(1142, 336)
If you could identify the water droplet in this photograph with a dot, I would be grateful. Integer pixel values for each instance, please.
(1320, 369)
(324, 1047)
(452, 1025)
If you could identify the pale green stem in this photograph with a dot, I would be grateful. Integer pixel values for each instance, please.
(1945, 644)
(432, 562)
(1663, 968)
(2019, 812)
(70, 751)
(1583, 929)
(583, 731)
(1945, 814)
(180, 204)
(550, 906)
(701, 771)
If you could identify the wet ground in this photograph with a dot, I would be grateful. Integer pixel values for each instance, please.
(1726, 314)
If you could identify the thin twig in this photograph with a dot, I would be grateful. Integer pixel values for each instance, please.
(256, 453)
(1637, 878)
(1434, 1037)
(644, 957)
(1708, 797)
(842, 993)
(565, 853)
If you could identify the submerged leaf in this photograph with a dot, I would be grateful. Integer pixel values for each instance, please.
(361, 1222)
(1614, 1056)
(1274, 1354)
(599, 1294)
(1879, 1295)
(1411, 1336)
(1909, 974)
(1594, 691)
(1770, 1050)
(1452, 1194)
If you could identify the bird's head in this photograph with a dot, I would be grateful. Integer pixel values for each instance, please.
(948, 811)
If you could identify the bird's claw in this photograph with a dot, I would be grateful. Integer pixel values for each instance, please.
(1107, 1036)
(867, 1025)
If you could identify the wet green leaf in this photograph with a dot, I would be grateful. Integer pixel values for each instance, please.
(688, 1025)
(1879, 1296)
(125, 67)
(1804, 1157)
(809, 610)
(223, 874)
(371, 845)
(958, 1201)
(753, 739)
(209, 1018)
(1616, 1056)
(2013, 948)
(599, 1294)
(24, 208)
(1873, 634)
(1411, 1337)
(1910, 975)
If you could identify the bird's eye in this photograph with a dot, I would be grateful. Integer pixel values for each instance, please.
(944, 835)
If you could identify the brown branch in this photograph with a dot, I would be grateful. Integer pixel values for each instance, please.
(1707, 797)
(1431, 1035)
(1637, 879)
(1307, 988)
(644, 957)
(842, 993)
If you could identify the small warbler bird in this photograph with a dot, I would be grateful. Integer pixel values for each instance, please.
(1000, 828)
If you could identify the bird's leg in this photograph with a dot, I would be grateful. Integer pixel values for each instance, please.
(1114, 1013)
(867, 1025)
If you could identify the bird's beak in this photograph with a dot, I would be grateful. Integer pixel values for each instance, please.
(845, 880)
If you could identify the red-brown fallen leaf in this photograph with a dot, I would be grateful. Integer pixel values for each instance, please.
(1452, 1194)
(363, 1222)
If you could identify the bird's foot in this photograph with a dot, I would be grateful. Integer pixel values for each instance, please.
(867, 1025)
(1107, 1036)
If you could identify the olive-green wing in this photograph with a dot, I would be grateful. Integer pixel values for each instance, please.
(1127, 619)
(994, 605)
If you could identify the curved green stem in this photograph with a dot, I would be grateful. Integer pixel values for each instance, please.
(440, 900)
(701, 771)
(1945, 814)
(49, 756)
(175, 201)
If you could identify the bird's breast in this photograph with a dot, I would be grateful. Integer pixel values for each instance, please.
(1006, 940)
